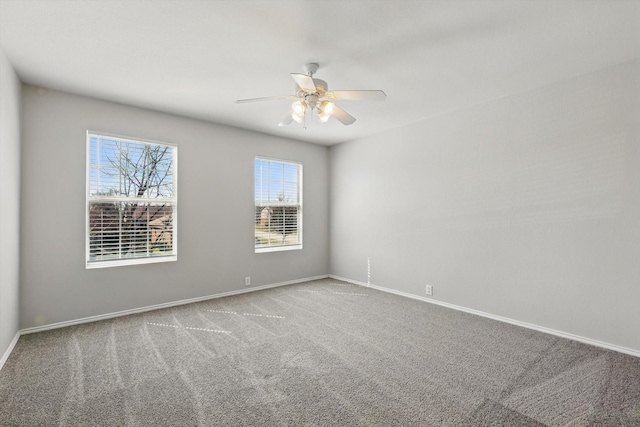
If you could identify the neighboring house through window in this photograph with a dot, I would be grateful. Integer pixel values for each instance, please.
(278, 205)
(131, 201)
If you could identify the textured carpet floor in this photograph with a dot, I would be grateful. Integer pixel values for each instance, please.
(321, 353)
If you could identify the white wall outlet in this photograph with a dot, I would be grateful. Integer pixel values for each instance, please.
(429, 290)
(247, 281)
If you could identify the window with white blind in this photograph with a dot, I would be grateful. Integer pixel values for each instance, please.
(278, 205)
(131, 201)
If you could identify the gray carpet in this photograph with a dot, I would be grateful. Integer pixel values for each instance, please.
(321, 353)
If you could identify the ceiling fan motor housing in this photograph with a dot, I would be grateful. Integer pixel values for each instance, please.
(321, 88)
(313, 100)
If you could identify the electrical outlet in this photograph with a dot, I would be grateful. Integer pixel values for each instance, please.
(429, 290)
(247, 281)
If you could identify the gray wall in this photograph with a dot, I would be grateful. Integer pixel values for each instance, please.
(10, 197)
(216, 214)
(527, 207)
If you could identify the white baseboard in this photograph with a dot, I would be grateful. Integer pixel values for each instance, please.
(561, 334)
(6, 354)
(160, 306)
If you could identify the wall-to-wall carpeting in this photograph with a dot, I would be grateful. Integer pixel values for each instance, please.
(322, 353)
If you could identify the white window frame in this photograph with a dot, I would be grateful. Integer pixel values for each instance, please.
(264, 204)
(173, 200)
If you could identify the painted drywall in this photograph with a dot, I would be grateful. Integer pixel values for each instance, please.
(10, 196)
(216, 213)
(526, 207)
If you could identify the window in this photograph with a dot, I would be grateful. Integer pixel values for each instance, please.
(278, 205)
(131, 201)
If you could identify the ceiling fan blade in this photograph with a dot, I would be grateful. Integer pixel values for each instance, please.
(342, 116)
(268, 98)
(356, 95)
(305, 82)
(286, 121)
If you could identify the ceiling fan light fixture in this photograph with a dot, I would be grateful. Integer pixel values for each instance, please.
(298, 109)
(325, 111)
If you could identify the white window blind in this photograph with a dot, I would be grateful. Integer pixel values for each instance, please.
(131, 201)
(278, 205)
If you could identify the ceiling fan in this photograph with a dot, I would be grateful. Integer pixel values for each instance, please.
(314, 95)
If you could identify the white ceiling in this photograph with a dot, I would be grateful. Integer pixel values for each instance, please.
(196, 57)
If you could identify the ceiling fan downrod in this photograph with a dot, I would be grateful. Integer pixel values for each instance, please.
(311, 68)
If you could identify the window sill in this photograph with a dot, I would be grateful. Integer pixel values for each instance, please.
(133, 261)
(278, 248)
